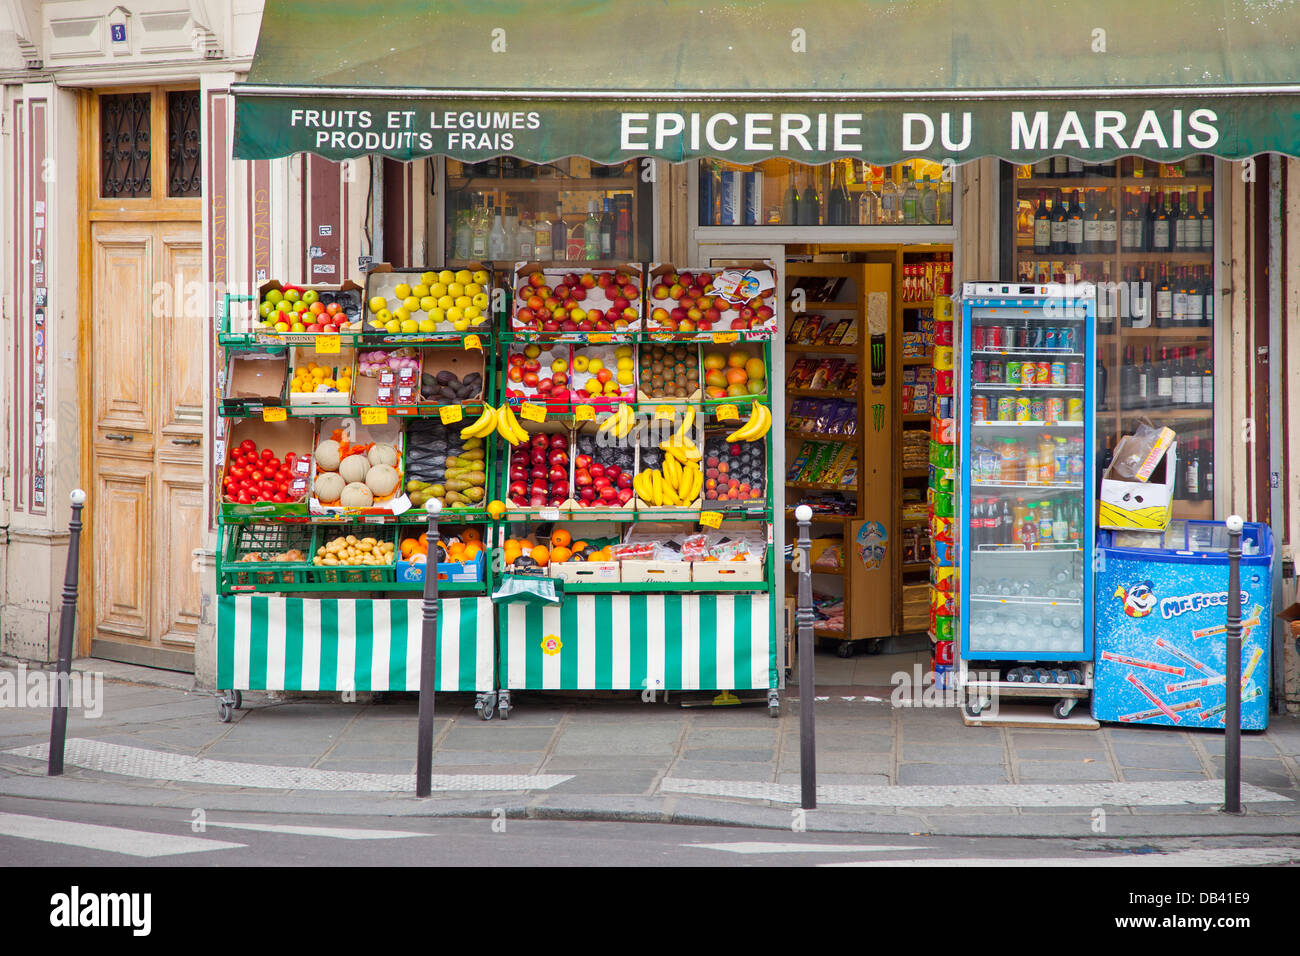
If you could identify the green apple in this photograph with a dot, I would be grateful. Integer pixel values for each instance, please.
(310, 296)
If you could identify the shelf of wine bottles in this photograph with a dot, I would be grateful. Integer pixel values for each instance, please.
(1143, 234)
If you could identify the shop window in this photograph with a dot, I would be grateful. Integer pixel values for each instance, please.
(125, 145)
(184, 174)
(574, 209)
(847, 192)
(1143, 232)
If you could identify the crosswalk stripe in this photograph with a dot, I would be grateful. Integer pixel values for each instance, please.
(91, 836)
(759, 848)
(338, 833)
(1250, 856)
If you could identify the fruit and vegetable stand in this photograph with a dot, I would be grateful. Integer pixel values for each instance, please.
(631, 475)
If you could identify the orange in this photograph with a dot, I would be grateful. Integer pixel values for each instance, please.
(511, 554)
(541, 556)
(408, 547)
(471, 551)
(471, 534)
(526, 544)
(424, 539)
(579, 545)
(561, 555)
(560, 538)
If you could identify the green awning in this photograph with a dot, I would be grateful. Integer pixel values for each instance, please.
(872, 79)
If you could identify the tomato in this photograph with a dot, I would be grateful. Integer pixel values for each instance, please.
(244, 498)
(280, 498)
(239, 473)
(256, 474)
(246, 485)
(247, 445)
(267, 454)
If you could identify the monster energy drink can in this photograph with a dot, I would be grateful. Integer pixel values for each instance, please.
(877, 359)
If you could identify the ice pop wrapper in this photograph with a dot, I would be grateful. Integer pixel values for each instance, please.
(1139, 662)
(1250, 668)
(1147, 693)
(1148, 714)
(1250, 622)
(1189, 684)
(1220, 708)
(1184, 657)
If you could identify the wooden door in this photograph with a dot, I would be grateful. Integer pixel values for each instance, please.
(146, 372)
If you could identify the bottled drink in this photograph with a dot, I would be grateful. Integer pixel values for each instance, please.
(1140, 301)
(1074, 227)
(576, 241)
(1147, 379)
(1195, 311)
(911, 199)
(1194, 379)
(1109, 216)
(559, 234)
(1207, 222)
(1164, 381)
(1177, 222)
(1006, 523)
(496, 236)
(869, 213)
(1107, 303)
(1180, 300)
(1180, 378)
(1208, 296)
(1131, 229)
(623, 228)
(480, 229)
(1161, 240)
(1060, 220)
(945, 203)
(1207, 377)
(1060, 525)
(891, 200)
(929, 203)
(790, 204)
(1164, 299)
(1129, 385)
(1092, 224)
(1042, 225)
(607, 231)
(810, 204)
(591, 232)
(1101, 383)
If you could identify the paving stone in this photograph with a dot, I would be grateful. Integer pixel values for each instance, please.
(729, 756)
(589, 742)
(711, 770)
(1054, 740)
(828, 743)
(740, 739)
(1063, 754)
(1251, 746)
(843, 763)
(486, 758)
(503, 738)
(609, 783)
(1144, 776)
(1149, 757)
(567, 764)
(915, 773)
(1053, 771)
(1261, 772)
(361, 749)
(953, 754)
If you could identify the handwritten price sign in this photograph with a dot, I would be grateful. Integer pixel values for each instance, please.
(374, 416)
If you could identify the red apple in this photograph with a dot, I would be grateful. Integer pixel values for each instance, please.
(583, 461)
(536, 279)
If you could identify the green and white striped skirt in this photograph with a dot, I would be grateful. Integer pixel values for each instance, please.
(640, 641)
(274, 643)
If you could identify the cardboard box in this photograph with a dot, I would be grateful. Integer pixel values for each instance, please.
(453, 572)
(391, 433)
(751, 350)
(520, 509)
(1148, 506)
(550, 352)
(607, 355)
(292, 435)
(255, 380)
(586, 572)
(724, 571)
(597, 297)
(647, 436)
(383, 279)
(303, 355)
(650, 572)
(587, 437)
(348, 294)
(645, 356)
(729, 313)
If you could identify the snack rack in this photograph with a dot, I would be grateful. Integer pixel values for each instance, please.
(286, 623)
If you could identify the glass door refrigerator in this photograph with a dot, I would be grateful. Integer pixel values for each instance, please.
(1026, 496)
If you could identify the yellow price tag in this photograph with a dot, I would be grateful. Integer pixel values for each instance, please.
(451, 414)
(725, 336)
(600, 337)
(665, 413)
(584, 413)
(726, 413)
(374, 416)
(274, 414)
(472, 342)
(327, 345)
(711, 519)
(532, 413)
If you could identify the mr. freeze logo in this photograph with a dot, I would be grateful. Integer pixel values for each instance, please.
(1173, 606)
(1139, 600)
(77, 909)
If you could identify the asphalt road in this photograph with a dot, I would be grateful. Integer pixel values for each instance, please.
(36, 833)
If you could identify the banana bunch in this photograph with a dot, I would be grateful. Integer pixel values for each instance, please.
(619, 423)
(483, 427)
(679, 444)
(508, 426)
(676, 485)
(760, 421)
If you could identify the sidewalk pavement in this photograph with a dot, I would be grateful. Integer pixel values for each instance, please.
(880, 768)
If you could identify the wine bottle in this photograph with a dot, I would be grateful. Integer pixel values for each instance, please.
(1060, 219)
(1195, 299)
(1101, 384)
(790, 204)
(1160, 237)
(1129, 386)
(1192, 472)
(1131, 228)
(1180, 299)
(1147, 378)
(1179, 397)
(607, 231)
(810, 204)
(1207, 222)
(1178, 223)
(1109, 240)
(1194, 379)
(1092, 224)
(1164, 299)
(1141, 302)
(559, 234)
(1164, 381)
(1042, 226)
(1074, 227)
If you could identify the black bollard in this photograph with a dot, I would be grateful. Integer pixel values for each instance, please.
(67, 634)
(1232, 680)
(807, 686)
(428, 659)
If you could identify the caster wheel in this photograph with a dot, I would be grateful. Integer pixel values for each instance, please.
(845, 649)
(486, 705)
(224, 711)
(1062, 708)
(774, 710)
(973, 710)
(239, 701)
(875, 647)
(505, 713)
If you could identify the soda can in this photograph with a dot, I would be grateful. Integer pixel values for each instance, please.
(1006, 408)
(1009, 336)
(993, 337)
(1023, 411)
(1039, 339)
(1044, 376)
(1013, 373)
(1055, 410)
(1075, 409)
(1036, 410)
(1028, 373)
(1074, 373)
(1022, 337)
(1066, 339)
(996, 372)
(1058, 373)
(977, 338)
(979, 409)
(979, 371)
(1051, 341)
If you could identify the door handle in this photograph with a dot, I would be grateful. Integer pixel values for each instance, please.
(187, 441)
(117, 436)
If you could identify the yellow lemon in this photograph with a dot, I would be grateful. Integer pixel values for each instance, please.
(624, 364)
(623, 351)
(625, 376)
(402, 290)
(594, 365)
